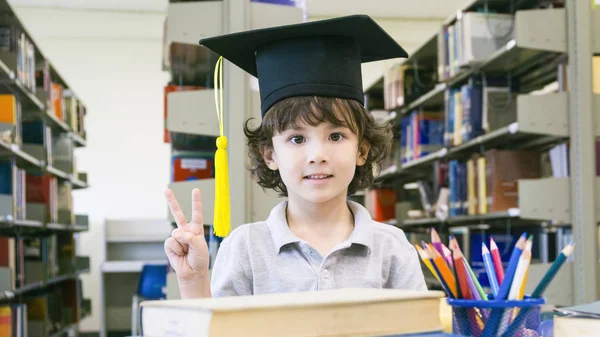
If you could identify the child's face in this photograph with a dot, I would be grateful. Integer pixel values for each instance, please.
(316, 163)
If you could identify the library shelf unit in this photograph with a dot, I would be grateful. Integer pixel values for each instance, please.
(41, 125)
(190, 118)
(190, 111)
(547, 77)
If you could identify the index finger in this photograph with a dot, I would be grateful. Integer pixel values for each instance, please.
(197, 225)
(175, 209)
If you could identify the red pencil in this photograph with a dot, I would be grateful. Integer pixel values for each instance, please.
(461, 273)
(497, 261)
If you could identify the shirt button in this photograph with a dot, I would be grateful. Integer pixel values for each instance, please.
(326, 273)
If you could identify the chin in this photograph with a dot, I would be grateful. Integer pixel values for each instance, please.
(319, 198)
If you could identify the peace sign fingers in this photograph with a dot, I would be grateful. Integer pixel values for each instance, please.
(176, 210)
(196, 225)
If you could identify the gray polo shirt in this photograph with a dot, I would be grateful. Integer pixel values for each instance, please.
(266, 257)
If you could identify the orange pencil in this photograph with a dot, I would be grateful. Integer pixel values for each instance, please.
(445, 272)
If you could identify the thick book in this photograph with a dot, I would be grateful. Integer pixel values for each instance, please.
(577, 321)
(340, 312)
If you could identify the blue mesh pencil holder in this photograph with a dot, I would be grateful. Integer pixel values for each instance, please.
(496, 318)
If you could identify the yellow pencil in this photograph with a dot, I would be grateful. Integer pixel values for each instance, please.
(445, 272)
(425, 258)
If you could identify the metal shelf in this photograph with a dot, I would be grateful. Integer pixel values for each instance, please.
(65, 330)
(9, 224)
(596, 28)
(433, 99)
(393, 173)
(55, 122)
(182, 119)
(58, 173)
(79, 141)
(8, 62)
(471, 5)
(542, 120)
(182, 191)
(8, 295)
(549, 198)
(463, 220)
(128, 266)
(427, 160)
(78, 184)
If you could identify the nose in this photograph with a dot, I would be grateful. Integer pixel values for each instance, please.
(317, 153)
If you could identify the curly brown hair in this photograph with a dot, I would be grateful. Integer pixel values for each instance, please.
(313, 110)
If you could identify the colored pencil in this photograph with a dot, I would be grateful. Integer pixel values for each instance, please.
(522, 266)
(541, 287)
(437, 271)
(497, 314)
(425, 258)
(518, 280)
(497, 261)
(512, 267)
(489, 268)
(447, 255)
(470, 274)
(560, 260)
(458, 290)
(443, 269)
(436, 241)
(473, 278)
(461, 274)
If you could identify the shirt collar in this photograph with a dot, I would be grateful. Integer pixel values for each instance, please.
(282, 235)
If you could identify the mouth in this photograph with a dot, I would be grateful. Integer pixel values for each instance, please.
(318, 176)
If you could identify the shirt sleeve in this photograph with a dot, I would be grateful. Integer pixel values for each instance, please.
(231, 275)
(406, 272)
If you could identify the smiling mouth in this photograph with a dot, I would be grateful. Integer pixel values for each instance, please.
(318, 176)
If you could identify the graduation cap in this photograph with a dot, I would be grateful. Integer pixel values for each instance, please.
(319, 58)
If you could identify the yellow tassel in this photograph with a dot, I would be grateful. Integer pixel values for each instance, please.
(221, 222)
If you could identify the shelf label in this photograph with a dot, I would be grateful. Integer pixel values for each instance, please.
(193, 164)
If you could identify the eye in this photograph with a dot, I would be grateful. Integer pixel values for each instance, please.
(297, 139)
(336, 136)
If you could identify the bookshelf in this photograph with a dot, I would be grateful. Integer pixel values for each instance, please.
(542, 81)
(41, 125)
(191, 125)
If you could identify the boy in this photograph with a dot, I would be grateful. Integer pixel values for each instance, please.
(316, 145)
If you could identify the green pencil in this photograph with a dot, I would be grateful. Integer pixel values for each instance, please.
(479, 288)
(560, 260)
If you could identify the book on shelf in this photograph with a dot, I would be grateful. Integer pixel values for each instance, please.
(342, 312)
(422, 133)
(42, 197)
(192, 165)
(471, 39)
(13, 320)
(381, 203)
(10, 120)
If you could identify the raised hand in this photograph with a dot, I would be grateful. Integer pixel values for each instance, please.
(187, 249)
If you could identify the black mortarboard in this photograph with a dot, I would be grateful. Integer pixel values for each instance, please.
(321, 58)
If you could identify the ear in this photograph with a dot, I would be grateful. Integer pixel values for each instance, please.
(269, 157)
(363, 153)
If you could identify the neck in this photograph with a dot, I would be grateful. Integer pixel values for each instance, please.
(331, 219)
